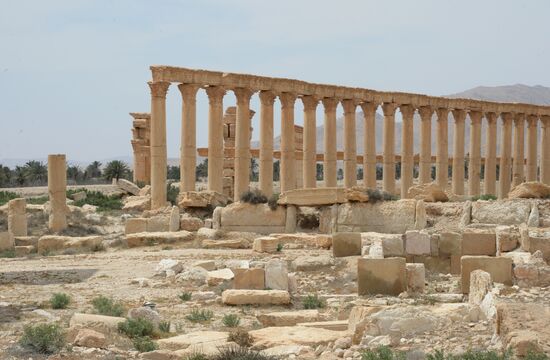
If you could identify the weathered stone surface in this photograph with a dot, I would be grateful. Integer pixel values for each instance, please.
(417, 243)
(450, 243)
(257, 218)
(534, 217)
(500, 269)
(311, 263)
(193, 276)
(26, 240)
(189, 223)
(291, 219)
(507, 238)
(174, 219)
(101, 323)
(392, 244)
(135, 225)
(217, 277)
(17, 217)
(421, 220)
(9, 312)
(78, 196)
(160, 355)
(530, 190)
(255, 297)
(416, 278)
(225, 244)
(266, 244)
(288, 318)
(276, 274)
(153, 238)
(193, 339)
(297, 335)
(202, 199)
(90, 338)
(208, 265)
(249, 279)
(7, 241)
(334, 325)
(55, 242)
(381, 276)
(312, 197)
(137, 203)
(480, 285)
(346, 244)
(479, 242)
(166, 266)
(539, 240)
(128, 186)
(356, 194)
(435, 263)
(145, 312)
(158, 223)
(21, 251)
(394, 217)
(427, 192)
(502, 212)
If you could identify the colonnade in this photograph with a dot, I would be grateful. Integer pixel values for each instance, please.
(513, 167)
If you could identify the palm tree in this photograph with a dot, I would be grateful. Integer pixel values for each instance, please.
(74, 172)
(20, 176)
(36, 172)
(116, 169)
(94, 170)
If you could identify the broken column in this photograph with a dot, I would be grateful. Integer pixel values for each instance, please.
(17, 217)
(57, 190)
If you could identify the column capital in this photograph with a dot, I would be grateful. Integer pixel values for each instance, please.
(426, 112)
(369, 108)
(243, 95)
(267, 98)
(532, 120)
(389, 108)
(545, 120)
(287, 99)
(475, 116)
(491, 117)
(349, 106)
(188, 91)
(310, 102)
(519, 119)
(215, 94)
(506, 117)
(159, 88)
(407, 110)
(330, 104)
(459, 115)
(442, 113)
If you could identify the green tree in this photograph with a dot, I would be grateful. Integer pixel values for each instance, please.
(20, 176)
(36, 172)
(276, 170)
(340, 174)
(116, 169)
(74, 173)
(319, 171)
(93, 170)
(202, 170)
(173, 172)
(254, 175)
(5, 176)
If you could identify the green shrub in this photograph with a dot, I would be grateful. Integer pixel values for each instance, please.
(279, 247)
(6, 196)
(201, 315)
(253, 197)
(185, 296)
(10, 253)
(145, 344)
(43, 338)
(231, 320)
(107, 306)
(172, 194)
(38, 200)
(532, 355)
(312, 301)
(196, 356)
(484, 197)
(272, 202)
(136, 328)
(470, 355)
(241, 337)
(164, 326)
(60, 300)
(102, 201)
(239, 353)
(382, 353)
(376, 195)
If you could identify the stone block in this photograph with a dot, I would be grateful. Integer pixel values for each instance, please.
(208, 265)
(288, 318)
(135, 225)
(416, 278)
(480, 285)
(450, 243)
(174, 219)
(26, 240)
(155, 238)
(217, 277)
(196, 340)
(137, 203)
(255, 297)
(78, 196)
(346, 244)
(7, 241)
(21, 251)
(392, 244)
(265, 244)
(101, 323)
(249, 279)
(257, 218)
(291, 219)
(313, 197)
(417, 243)
(323, 241)
(392, 217)
(17, 217)
(381, 276)
(479, 242)
(158, 223)
(421, 220)
(500, 269)
(276, 274)
(128, 186)
(189, 223)
(55, 243)
(434, 245)
(507, 238)
(502, 212)
(540, 240)
(455, 264)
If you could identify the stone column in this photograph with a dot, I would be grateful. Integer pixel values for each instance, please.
(505, 156)
(17, 217)
(329, 135)
(459, 116)
(57, 191)
(532, 136)
(519, 154)
(407, 148)
(474, 166)
(188, 150)
(350, 145)
(490, 172)
(388, 141)
(309, 163)
(215, 138)
(425, 163)
(267, 99)
(158, 143)
(288, 163)
(369, 138)
(545, 150)
(442, 148)
(141, 147)
(242, 142)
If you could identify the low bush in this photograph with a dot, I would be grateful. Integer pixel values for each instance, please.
(107, 306)
(145, 344)
(376, 195)
(201, 315)
(136, 328)
(38, 200)
(43, 338)
(196, 356)
(471, 355)
(60, 300)
(279, 247)
(102, 201)
(273, 201)
(6, 196)
(231, 320)
(253, 197)
(10, 253)
(164, 326)
(484, 197)
(241, 337)
(172, 194)
(185, 296)
(239, 353)
(382, 353)
(312, 301)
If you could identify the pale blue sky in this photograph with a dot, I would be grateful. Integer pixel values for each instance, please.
(71, 70)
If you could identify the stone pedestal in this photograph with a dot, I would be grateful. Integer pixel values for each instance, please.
(57, 190)
(17, 217)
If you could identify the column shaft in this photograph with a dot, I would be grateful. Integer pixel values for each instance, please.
(309, 162)
(458, 152)
(388, 175)
(369, 157)
(490, 172)
(188, 150)
(532, 136)
(474, 166)
(242, 142)
(545, 151)
(288, 163)
(407, 148)
(425, 163)
(158, 143)
(505, 156)
(329, 135)
(215, 138)
(442, 144)
(519, 153)
(57, 191)
(350, 145)
(266, 142)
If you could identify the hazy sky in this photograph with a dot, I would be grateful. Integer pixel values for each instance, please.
(71, 71)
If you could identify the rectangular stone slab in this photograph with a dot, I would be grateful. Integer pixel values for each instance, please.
(500, 269)
(381, 276)
(313, 197)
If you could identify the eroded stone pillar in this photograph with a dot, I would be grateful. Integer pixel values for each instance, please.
(329, 135)
(505, 156)
(141, 131)
(288, 163)
(425, 163)
(242, 145)
(158, 143)
(442, 148)
(369, 138)
(407, 148)
(545, 150)
(57, 191)
(350, 144)
(532, 135)
(309, 163)
(188, 149)
(518, 150)
(459, 116)
(388, 140)
(215, 138)
(17, 217)
(267, 99)
(490, 170)
(474, 166)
